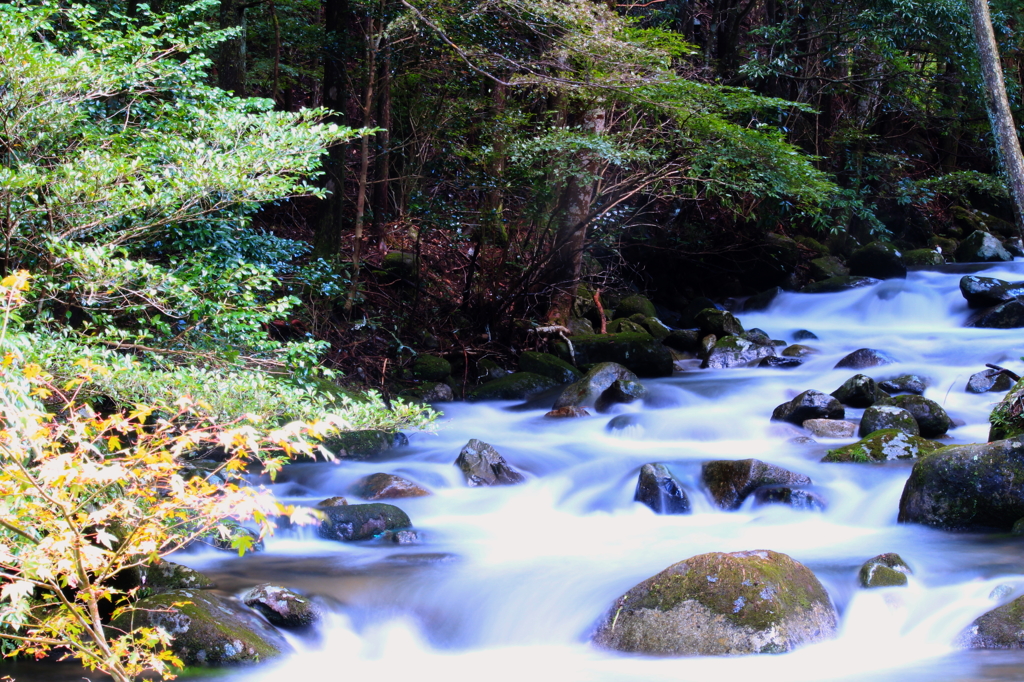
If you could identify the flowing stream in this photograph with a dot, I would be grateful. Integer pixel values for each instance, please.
(510, 581)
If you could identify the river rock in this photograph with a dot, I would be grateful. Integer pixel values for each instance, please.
(633, 305)
(826, 267)
(658, 489)
(719, 604)
(981, 247)
(967, 487)
(923, 258)
(624, 325)
(929, 415)
(353, 522)
(569, 412)
(431, 368)
(859, 391)
(361, 445)
(806, 500)
(735, 351)
(830, 428)
(381, 486)
(985, 292)
(1001, 628)
(656, 328)
(798, 351)
(988, 380)
(882, 446)
(729, 482)
(718, 322)
(777, 362)
(1007, 418)
(435, 393)
(804, 335)
(684, 340)
(836, 284)
(884, 570)
(588, 390)
(163, 576)
(863, 358)
(905, 383)
(516, 386)
(483, 465)
(809, 405)
(640, 353)
(281, 606)
(548, 365)
(878, 259)
(621, 391)
(1009, 315)
(207, 630)
(879, 417)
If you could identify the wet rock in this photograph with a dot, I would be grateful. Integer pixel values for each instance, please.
(516, 386)
(640, 353)
(729, 482)
(758, 336)
(281, 606)
(780, 363)
(884, 417)
(718, 322)
(967, 487)
(988, 380)
(633, 305)
(381, 486)
(1007, 417)
(905, 383)
(884, 570)
(878, 259)
(207, 630)
(882, 446)
(762, 300)
(400, 537)
(804, 335)
(354, 522)
(981, 247)
(1001, 628)
(685, 340)
(656, 328)
(622, 422)
(431, 368)
(805, 500)
(163, 576)
(836, 284)
(863, 358)
(588, 390)
(859, 391)
(360, 445)
(985, 292)
(735, 351)
(923, 258)
(809, 405)
(802, 440)
(550, 366)
(1009, 315)
(688, 319)
(707, 344)
(659, 490)
(569, 412)
(625, 325)
(436, 393)
(580, 326)
(827, 267)
(719, 604)
(620, 392)
(798, 351)
(830, 428)
(333, 502)
(931, 419)
(483, 465)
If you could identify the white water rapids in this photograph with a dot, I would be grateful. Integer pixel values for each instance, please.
(510, 581)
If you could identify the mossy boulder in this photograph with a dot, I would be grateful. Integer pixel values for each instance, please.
(684, 340)
(482, 465)
(882, 446)
(809, 405)
(624, 325)
(399, 264)
(834, 285)
(1009, 315)
(657, 488)
(1001, 628)
(207, 630)
(736, 351)
(931, 418)
(515, 386)
(859, 391)
(431, 368)
(884, 570)
(588, 391)
(354, 522)
(163, 576)
(641, 353)
(656, 328)
(887, 417)
(718, 322)
(805, 500)
(905, 383)
(729, 482)
(282, 607)
(967, 487)
(923, 258)
(361, 445)
(635, 304)
(878, 259)
(985, 292)
(988, 380)
(812, 244)
(1007, 418)
(982, 247)
(863, 358)
(827, 267)
(381, 486)
(718, 604)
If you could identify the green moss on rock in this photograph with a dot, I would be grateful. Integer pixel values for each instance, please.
(516, 386)
(431, 368)
(360, 445)
(549, 366)
(883, 446)
(640, 353)
(632, 305)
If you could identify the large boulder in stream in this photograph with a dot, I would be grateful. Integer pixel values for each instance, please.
(517, 386)
(859, 391)
(607, 376)
(658, 489)
(967, 487)
(483, 465)
(1007, 417)
(207, 630)
(735, 351)
(862, 358)
(905, 383)
(354, 522)
(548, 365)
(282, 607)
(879, 260)
(982, 247)
(716, 604)
(718, 322)
(886, 417)
(929, 415)
(1001, 628)
(836, 284)
(809, 405)
(1008, 315)
(640, 353)
(882, 446)
(729, 482)
(985, 292)
(381, 486)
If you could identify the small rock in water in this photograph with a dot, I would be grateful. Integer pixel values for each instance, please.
(905, 383)
(588, 390)
(879, 417)
(718, 322)
(381, 486)
(830, 428)
(483, 465)
(780, 363)
(793, 497)
(809, 405)
(356, 522)
(884, 570)
(802, 440)
(729, 482)
(989, 380)
(568, 412)
(400, 537)
(864, 358)
(659, 490)
(798, 351)
(859, 391)
(1001, 628)
(282, 607)
(333, 502)
(804, 335)
(620, 392)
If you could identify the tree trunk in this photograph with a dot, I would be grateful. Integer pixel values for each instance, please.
(231, 58)
(491, 219)
(998, 104)
(382, 161)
